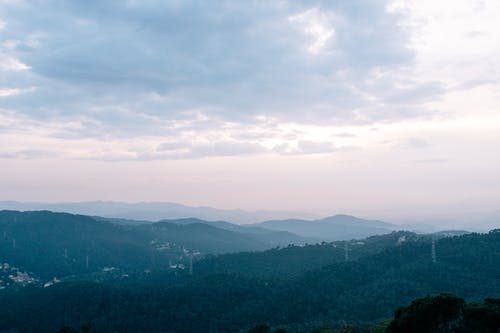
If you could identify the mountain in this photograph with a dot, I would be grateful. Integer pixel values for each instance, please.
(150, 211)
(382, 274)
(274, 237)
(51, 244)
(337, 227)
(56, 244)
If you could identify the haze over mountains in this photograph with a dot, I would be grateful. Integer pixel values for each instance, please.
(337, 227)
(153, 211)
(426, 221)
(62, 244)
(58, 244)
(330, 228)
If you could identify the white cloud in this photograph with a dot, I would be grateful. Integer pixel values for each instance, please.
(312, 147)
(454, 41)
(238, 77)
(9, 63)
(5, 92)
(318, 25)
(415, 143)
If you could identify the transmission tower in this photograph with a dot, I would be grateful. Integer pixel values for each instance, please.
(65, 256)
(153, 258)
(433, 250)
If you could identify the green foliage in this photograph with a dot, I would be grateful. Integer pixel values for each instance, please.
(447, 313)
(279, 330)
(325, 330)
(381, 327)
(58, 244)
(294, 288)
(427, 314)
(481, 318)
(66, 329)
(261, 328)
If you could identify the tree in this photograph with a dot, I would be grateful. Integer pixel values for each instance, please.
(261, 328)
(428, 314)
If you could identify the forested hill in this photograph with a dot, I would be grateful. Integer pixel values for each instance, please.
(232, 293)
(47, 244)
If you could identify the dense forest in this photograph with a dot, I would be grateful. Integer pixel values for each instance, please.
(346, 285)
(58, 244)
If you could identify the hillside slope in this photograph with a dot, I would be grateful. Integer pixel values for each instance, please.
(366, 288)
(51, 244)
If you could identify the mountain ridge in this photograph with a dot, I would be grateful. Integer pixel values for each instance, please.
(151, 211)
(336, 227)
(57, 244)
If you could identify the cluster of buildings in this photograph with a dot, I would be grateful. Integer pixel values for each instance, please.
(10, 275)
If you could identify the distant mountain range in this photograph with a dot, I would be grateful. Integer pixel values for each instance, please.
(62, 244)
(297, 231)
(338, 227)
(152, 211)
(308, 228)
(275, 237)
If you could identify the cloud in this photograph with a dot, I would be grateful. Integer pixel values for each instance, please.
(344, 135)
(307, 147)
(178, 150)
(416, 143)
(318, 25)
(311, 147)
(226, 149)
(172, 146)
(5, 92)
(27, 154)
(432, 161)
(152, 68)
(9, 63)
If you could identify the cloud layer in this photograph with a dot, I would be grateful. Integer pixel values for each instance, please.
(184, 71)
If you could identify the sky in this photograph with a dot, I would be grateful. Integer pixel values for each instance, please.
(376, 108)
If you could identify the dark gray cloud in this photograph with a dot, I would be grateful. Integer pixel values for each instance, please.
(132, 68)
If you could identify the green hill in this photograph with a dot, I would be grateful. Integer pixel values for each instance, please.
(51, 244)
(226, 295)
